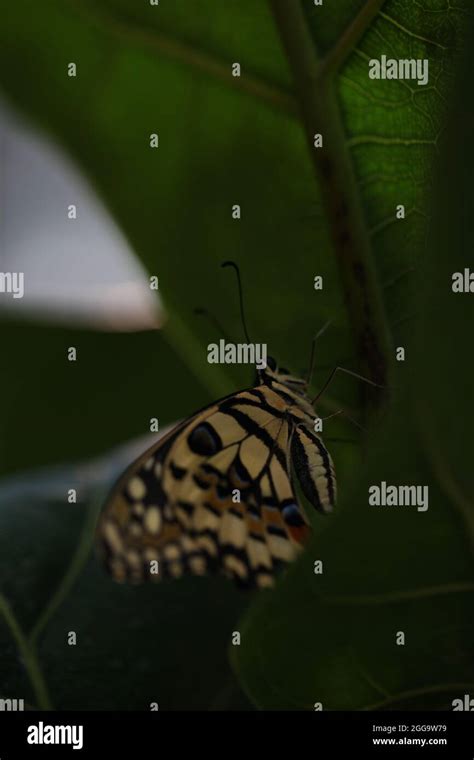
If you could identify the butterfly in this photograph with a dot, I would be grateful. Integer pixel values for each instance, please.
(218, 492)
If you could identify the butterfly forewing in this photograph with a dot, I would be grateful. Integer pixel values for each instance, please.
(214, 495)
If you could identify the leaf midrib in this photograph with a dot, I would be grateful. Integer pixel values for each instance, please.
(270, 93)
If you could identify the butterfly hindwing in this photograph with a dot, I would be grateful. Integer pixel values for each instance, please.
(313, 465)
(213, 495)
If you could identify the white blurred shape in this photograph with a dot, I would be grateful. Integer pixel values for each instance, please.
(79, 271)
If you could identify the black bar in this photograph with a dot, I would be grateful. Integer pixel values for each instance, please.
(322, 734)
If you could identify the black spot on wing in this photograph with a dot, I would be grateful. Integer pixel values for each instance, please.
(201, 482)
(223, 490)
(154, 493)
(177, 472)
(254, 511)
(292, 515)
(275, 530)
(188, 508)
(204, 440)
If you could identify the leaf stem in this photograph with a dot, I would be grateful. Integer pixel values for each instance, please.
(403, 596)
(29, 656)
(77, 563)
(320, 114)
(350, 37)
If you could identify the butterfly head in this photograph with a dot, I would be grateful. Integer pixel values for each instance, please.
(273, 373)
(270, 373)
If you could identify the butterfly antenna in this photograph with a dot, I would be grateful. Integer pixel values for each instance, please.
(241, 297)
(213, 320)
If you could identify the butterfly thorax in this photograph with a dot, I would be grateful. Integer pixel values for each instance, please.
(293, 390)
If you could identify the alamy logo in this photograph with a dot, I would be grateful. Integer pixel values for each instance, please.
(463, 282)
(12, 705)
(237, 353)
(407, 68)
(463, 704)
(399, 496)
(46, 734)
(12, 282)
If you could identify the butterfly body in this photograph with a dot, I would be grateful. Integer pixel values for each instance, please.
(217, 493)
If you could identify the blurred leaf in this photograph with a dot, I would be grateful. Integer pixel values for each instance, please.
(61, 411)
(226, 140)
(331, 638)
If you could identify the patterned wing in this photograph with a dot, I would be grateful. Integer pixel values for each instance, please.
(212, 496)
(314, 467)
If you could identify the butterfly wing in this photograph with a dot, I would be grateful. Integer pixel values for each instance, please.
(313, 465)
(214, 495)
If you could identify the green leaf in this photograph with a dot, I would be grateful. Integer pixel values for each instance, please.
(226, 140)
(222, 140)
(220, 144)
(62, 411)
(331, 638)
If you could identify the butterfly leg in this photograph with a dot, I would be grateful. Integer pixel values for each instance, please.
(351, 419)
(347, 372)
